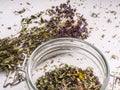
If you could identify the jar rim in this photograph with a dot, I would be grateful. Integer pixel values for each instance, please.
(28, 69)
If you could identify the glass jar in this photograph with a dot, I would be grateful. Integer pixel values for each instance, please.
(51, 54)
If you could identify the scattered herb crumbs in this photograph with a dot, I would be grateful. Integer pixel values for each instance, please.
(20, 3)
(117, 26)
(28, 3)
(107, 51)
(52, 61)
(1, 11)
(84, 7)
(9, 28)
(21, 16)
(94, 6)
(104, 30)
(69, 78)
(115, 17)
(14, 25)
(118, 4)
(113, 12)
(119, 83)
(109, 21)
(118, 67)
(102, 35)
(20, 11)
(114, 57)
(2, 24)
(78, 59)
(110, 5)
(91, 28)
(114, 36)
(81, 4)
(95, 15)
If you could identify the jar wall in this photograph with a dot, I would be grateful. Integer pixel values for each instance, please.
(69, 51)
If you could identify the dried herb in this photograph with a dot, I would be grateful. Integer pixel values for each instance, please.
(114, 57)
(20, 11)
(114, 36)
(109, 21)
(2, 24)
(1, 11)
(95, 15)
(69, 78)
(28, 3)
(102, 35)
(118, 4)
(61, 21)
(9, 27)
(117, 26)
(113, 12)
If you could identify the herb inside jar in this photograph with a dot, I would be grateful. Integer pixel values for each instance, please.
(69, 77)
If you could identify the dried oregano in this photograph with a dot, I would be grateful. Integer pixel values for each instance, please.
(59, 21)
(69, 77)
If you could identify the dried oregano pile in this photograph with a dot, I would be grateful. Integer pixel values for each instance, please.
(69, 78)
(59, 21)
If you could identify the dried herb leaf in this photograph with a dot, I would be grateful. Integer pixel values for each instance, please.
(69, 78)
(38, 29)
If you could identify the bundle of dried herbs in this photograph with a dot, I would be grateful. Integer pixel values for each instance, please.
(69, 78)
(59, 21)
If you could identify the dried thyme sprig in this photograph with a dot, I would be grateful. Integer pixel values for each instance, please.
(69, 78)
(61, 21)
